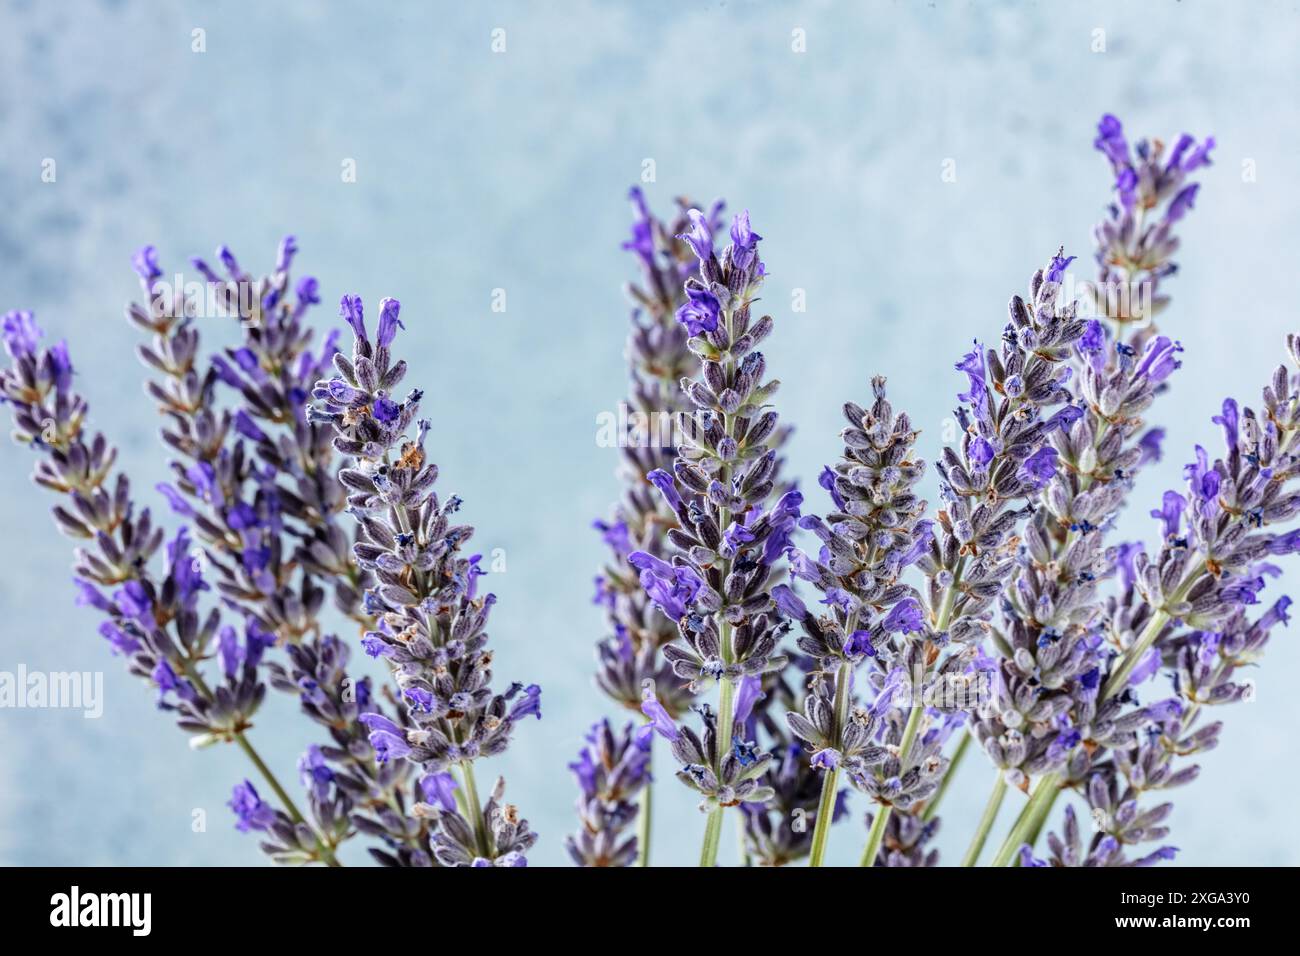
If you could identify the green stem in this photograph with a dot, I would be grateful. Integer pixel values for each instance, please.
(986, 822)
(1040, 802)
(1135, 654)
(713, 829)
(826, 806)
(875, 837)
(475, 810)
(326, 852)
(291, 808)
(644, 817)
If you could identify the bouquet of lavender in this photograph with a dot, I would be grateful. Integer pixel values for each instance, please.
(789, 654)
(1007, 639)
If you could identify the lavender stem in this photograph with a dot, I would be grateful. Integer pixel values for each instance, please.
(875, 837)
(726, 695)
(475, 809)
(1040, 803)
(644, 817)
(986, 821)
(826, 806)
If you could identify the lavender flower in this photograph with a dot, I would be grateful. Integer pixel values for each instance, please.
(873, 535)
(658, 358)
(1136, 242)
(431, 620)
(716, 586)
(155, 623)
(611, 770)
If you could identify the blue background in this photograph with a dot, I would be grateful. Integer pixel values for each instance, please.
(479, 171)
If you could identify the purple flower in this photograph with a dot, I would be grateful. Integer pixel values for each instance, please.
(672, 589)
(827, 480)
(615, 535)
(134, 603)
(21, 334)
(1159, 359)
(783, 517)
(145, 264)
(1202, 478)
(229, 652)
(1230, 421)
(905, 616)
(353, 312)
(735, 537)
(1056, 268)
(700, 311)
(1200, 156)
(250, 812)
(661, 722)
(168, 682)
(1244, 591)
(858, 644)
(1182, 203)
(315, 773)
(1150, 444)
(667, 487)
(1146, 668)
(308, 291)
(1094, 337)
(385, 410)
(284, 255)
(245, 425)
(1110, 140)
(439, 789)
(972, 363)
(825, 759)
(121, 642)
(744, 244)
(748, 693)
(90, 596)
(642, 241)
(374, 645)
(699, 237)
(1170, 513)
(788, 603)
(1039, 467)
(388, 739)
(530, 705)
(421, 700)
(389, 323)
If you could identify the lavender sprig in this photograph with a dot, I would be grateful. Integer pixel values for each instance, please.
(716, 585)
(155, 623)
(628, 660)
(873, 535)
(1118, 381)
(658, 359)
(611, 770)
(431, 620)
(270, 539)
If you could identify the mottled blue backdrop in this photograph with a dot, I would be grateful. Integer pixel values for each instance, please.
(479, 170)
